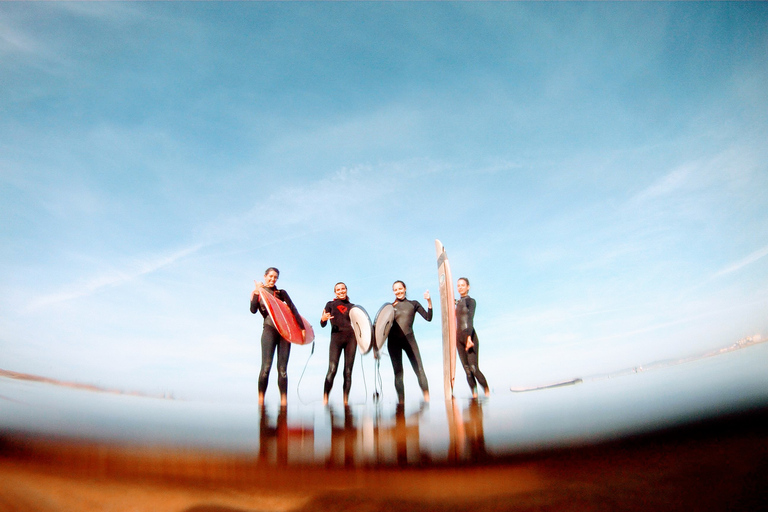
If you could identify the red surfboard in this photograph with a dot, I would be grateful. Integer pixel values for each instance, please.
(284, 321)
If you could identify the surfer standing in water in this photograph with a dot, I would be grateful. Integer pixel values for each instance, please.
(466, 338)
(401, 338)
(342, 339)
(271, 339)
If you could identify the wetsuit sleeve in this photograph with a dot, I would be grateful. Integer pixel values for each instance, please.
(471, 304)
(285, 298)
(427, 314)
(255, 304)
(327, 310)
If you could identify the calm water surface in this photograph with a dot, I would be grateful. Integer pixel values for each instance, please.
(370, 434)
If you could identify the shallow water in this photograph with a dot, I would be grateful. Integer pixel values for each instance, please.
(440, 432)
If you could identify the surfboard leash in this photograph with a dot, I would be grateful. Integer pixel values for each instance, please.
(365, 383)
(298, 385)
(378, 393)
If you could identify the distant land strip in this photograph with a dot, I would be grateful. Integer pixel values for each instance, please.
(75, 385)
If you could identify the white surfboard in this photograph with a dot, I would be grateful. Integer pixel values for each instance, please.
(361, 323)
(382, 324)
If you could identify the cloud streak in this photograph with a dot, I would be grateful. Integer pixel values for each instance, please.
(138, 268)
(744, 262)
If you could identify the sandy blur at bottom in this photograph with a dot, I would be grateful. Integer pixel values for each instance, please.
(717, 466)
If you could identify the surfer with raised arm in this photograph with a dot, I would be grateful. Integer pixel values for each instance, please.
(270, 337)
(342, 340)
(466, 338)
(401, 338)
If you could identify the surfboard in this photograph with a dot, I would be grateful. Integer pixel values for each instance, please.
(361, 323)
(382, 324)
(448, 315)
(284, 321)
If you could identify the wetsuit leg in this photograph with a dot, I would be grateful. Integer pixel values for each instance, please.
(464, 357)
(349, 362)
(473, 364)
(334, 353)
(283, 353)
(394, 346)
(412, 351)
(269, 340)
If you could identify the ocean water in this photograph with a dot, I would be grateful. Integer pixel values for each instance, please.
(457, 431)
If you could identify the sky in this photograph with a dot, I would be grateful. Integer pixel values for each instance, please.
(599, 172)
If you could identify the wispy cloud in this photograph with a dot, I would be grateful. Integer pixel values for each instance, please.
(666, 185)
(138, 268)
(755, 256)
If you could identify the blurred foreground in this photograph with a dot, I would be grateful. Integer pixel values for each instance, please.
(689, 437)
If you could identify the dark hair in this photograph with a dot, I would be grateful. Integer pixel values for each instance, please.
(272, 268)
(399, 281)
(464, 279)
(340, 282)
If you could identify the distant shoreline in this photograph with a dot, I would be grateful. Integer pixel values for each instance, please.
(74, 385)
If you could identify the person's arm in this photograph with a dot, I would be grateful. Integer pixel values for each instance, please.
(326, 315)
(471, 305)
(255, 297)
(428, 313)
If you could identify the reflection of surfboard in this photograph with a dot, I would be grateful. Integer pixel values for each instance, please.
(382, 324)
(361, 323)
(448, 315)
(284, 321)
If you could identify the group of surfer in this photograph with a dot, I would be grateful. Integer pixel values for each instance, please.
(400, 339)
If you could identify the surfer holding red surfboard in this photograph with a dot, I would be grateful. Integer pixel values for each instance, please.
(272, 339)
(342, 340)
(401, 338)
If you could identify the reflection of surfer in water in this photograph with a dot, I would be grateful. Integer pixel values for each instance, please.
(466, 338)
(270, 338)
(401, 338)
(342, 339)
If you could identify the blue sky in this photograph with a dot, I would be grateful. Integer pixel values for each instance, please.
(598, 170)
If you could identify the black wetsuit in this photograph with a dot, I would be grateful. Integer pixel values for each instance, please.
(465, 314)
(271, 340)
(342, 339)
(401, 339)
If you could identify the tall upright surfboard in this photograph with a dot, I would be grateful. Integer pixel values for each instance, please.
(448, 316)
(284, 321)
(361, 324)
